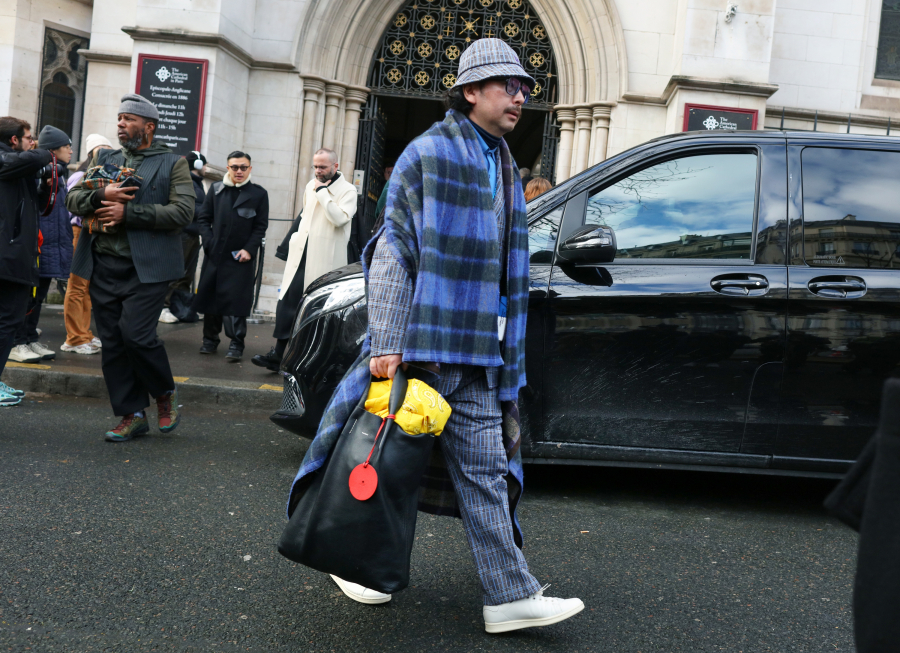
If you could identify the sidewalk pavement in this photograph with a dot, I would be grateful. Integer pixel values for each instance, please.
(200, 378)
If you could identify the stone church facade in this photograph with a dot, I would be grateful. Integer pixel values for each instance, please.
(285, 77)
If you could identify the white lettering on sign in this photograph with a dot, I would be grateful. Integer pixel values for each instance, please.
(722, 123)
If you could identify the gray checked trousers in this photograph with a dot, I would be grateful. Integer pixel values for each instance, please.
(472, 444)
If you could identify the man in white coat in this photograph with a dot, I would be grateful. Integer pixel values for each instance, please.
(317, 247)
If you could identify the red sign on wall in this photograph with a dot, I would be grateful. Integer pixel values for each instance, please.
(177, 87)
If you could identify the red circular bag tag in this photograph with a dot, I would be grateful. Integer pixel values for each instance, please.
(363, 481)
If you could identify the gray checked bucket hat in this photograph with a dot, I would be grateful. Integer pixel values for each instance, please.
(487, 58)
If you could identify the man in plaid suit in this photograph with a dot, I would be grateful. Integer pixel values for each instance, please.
(448, 285)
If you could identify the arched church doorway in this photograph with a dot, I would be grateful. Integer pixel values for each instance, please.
(416, 63)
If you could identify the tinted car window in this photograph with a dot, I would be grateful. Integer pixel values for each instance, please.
(692, 207)
(851, 208)
(542, 236)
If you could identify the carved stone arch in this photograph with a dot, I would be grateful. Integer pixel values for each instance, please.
(337, 41)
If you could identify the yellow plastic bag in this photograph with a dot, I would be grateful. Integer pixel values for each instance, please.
(423, 409)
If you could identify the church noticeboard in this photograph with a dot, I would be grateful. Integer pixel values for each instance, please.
(177, 87)
(698, 117)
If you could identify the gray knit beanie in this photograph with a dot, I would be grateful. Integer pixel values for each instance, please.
(138, 105)
(52, 138)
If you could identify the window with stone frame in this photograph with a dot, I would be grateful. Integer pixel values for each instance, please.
(887, 62)
(62, 84)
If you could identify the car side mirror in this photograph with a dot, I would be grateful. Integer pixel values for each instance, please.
(589, 244)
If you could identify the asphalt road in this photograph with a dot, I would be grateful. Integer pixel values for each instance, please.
(167, 543)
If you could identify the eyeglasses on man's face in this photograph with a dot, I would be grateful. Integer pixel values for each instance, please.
(239, 168)
(514, 85)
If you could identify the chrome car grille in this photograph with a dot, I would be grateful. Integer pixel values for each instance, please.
(291, 399)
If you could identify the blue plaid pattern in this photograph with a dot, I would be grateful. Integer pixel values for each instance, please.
(391, 290)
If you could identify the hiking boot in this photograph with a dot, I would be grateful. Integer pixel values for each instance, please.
(530, 612)
(167, 411)
(24, 354)
(11, 391)
(271, 361)
(234, 355)
(129, 428)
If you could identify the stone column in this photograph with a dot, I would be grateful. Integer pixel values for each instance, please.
(355, 98)
(566, 117)
(582, 140)
(334, 93)
(312, 94)
(601, 133)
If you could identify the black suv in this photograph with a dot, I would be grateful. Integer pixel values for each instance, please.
(727, 300)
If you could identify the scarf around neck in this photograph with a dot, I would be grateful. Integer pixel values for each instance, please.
(228, 181)
(441, 227)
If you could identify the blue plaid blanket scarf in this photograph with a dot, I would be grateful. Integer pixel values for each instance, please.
(441, 228)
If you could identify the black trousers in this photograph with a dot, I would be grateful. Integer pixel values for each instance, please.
(27, 331)
(235, 328)
(135, 364)
(190, 247)
(13, 304)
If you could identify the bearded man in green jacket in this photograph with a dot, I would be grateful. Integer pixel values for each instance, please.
(130, 259)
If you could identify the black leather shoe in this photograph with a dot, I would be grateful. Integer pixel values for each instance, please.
(270, 360)
(233, 355)
(208, 348)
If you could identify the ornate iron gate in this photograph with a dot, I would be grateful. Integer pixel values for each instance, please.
(420, 49)
(550, 148)
(369, 159)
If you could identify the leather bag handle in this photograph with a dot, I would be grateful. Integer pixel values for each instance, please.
(398, 391)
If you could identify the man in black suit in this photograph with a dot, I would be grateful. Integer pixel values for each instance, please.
(130, 261)
(232, 223)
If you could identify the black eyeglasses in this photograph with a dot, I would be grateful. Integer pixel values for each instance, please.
(514, 85)
(241, 168)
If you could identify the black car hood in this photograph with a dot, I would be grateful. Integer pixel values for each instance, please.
(346, 272)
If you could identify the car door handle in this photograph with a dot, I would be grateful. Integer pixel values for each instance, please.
(838, 287)
(741, 285)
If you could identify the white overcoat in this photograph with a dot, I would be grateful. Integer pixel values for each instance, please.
(324, 228)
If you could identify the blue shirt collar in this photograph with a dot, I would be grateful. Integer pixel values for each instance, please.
(484, 146)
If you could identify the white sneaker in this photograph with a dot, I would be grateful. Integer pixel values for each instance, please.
(43, 352)
(86, 348)
(166, 317)
(532, 612)
(23, 354)
(95, 342)
(360, 593)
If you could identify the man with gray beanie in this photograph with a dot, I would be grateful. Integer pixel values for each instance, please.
(130, 259)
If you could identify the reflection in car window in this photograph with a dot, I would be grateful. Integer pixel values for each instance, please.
(851, 208)
(692, 207)
(542, 237)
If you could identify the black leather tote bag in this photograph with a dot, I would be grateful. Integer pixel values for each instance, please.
(363, 541)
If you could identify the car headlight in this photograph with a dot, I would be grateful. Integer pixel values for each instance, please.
(332, 297)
